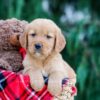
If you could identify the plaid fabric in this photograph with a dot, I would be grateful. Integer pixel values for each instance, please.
(14, 86)
(17, 87)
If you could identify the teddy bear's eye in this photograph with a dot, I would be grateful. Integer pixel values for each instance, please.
(49, 37)
(33, 34)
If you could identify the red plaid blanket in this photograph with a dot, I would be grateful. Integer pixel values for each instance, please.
(17, 87)
(14, 86)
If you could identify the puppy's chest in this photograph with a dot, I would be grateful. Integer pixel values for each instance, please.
(44, 73)
(30, 65)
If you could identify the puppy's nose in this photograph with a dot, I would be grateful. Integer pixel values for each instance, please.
(38, 46)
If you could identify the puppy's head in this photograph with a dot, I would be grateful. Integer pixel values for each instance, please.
(41, 38)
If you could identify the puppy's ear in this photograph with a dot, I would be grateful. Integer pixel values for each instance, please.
(24, 38)
(14, 39)
(60, 41)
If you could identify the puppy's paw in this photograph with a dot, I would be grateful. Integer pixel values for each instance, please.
(54, 87)
(37, 84)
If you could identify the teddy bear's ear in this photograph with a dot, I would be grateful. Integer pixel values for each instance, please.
(60, 41)
(24, 38)
(14, 39)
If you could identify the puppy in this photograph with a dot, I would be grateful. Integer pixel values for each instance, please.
(43, 42)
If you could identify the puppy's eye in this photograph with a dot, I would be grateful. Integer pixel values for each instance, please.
(49, 37)
(33, 34)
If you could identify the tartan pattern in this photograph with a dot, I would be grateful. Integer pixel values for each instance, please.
(15, 86)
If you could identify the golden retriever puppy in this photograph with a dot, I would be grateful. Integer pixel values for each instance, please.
(43, 42)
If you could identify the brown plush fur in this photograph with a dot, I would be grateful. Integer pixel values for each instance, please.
(9, 56)
(46, 61)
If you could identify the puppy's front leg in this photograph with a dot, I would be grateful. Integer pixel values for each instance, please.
(36, 79)
(55, 83)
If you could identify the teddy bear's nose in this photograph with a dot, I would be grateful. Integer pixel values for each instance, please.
(38, 46)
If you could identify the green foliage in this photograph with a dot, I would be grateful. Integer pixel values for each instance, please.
(86, 52)
(82, 50)
(82, 73)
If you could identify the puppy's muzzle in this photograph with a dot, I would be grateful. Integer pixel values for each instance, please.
(38, 46)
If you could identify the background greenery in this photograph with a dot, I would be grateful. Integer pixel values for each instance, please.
(79, 21)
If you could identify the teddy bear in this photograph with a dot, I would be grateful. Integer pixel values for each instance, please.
(10, 58)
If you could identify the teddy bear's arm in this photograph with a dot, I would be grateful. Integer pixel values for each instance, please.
(5, 65)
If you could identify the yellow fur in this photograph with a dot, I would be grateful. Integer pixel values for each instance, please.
(48, 61)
